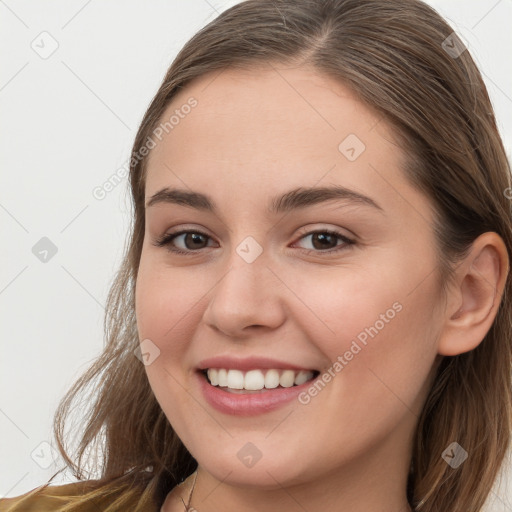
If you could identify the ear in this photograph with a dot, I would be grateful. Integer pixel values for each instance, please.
(475, 296)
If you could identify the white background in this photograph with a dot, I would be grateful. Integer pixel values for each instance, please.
(67, 124)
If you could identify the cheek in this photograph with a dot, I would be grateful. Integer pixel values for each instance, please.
(340, 306)
(378, 329)
(164, 304)
(165, 300)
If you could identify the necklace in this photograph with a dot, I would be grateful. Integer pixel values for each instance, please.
(188, 508)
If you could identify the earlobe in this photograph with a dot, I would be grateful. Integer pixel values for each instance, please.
(475, 298)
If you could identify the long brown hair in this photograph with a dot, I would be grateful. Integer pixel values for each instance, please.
(394, 54)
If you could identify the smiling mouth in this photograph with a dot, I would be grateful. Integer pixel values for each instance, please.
(257, 381)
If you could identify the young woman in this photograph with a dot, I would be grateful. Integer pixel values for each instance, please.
(314, 308)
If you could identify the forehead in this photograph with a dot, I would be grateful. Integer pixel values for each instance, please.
(300, 105)
(270, 128)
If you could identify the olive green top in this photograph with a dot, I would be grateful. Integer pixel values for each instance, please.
(52, 498)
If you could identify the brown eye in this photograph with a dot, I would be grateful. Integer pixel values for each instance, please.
(327, 241)
(194, 240)
(324, 241)
(191, 240)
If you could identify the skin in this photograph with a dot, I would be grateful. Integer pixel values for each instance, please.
(256, 134)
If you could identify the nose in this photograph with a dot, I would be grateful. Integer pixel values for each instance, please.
(249, 296)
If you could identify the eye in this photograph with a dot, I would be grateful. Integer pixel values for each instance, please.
(194, 238)
(324, 240)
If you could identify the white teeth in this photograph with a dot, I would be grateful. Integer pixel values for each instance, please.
(287, 378)
(214, 378)
(255, 380)
(222, 377)
(302, 377)
(272, 379)
(235, 379)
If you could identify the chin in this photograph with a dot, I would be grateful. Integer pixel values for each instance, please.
(271, 471)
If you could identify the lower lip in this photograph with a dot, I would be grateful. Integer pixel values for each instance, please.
(249, 404)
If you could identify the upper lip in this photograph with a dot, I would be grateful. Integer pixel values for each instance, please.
(249, 363)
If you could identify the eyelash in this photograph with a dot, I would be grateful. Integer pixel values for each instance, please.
(166, 240)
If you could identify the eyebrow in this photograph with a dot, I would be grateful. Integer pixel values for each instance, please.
(297, 198)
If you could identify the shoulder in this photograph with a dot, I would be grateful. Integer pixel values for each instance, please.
(48, 498)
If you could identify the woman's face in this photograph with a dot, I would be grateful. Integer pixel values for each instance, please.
(261, 278)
